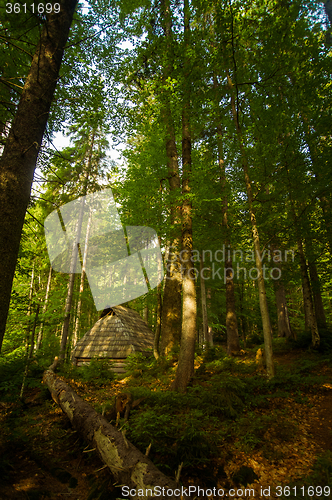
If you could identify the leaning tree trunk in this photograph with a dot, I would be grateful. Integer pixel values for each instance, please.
(128, 465)
(18, 161)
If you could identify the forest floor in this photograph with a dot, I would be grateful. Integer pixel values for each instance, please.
(282, 437)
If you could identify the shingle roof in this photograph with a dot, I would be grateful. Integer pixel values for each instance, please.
(120, 333)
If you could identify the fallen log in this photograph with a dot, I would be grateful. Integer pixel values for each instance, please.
(130, 468)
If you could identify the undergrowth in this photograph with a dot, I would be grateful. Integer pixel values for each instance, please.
(228, 404)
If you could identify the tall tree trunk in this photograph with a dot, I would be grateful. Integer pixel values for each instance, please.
(317, 294)
(185, 369)
(323, 195)
(158, 322)
(30, 351)
(284, 328)
(79, 304)
(146, 311)
(205, 326)
(242, 315)
(28, 329)
(18, 161)
(233, 344)
(75, 253)
(70, 291)
(267, 332)
(309, 311)
(48, 286)
(316, 288)
(171, 311)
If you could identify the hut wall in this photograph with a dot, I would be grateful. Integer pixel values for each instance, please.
(118, 365)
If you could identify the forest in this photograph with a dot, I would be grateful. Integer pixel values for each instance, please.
(165, 249)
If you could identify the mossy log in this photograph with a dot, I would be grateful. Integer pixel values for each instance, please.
(128, 465)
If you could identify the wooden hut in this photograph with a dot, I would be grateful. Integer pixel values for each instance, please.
(116, 335)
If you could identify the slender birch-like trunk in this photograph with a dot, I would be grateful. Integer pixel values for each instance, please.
(267, 332)
(309, 311)
(316, 287)
(158, 322)
(48, 286)
(74, 256)
(205, 333)
(30, 351)
(70, 291)
(79, 304)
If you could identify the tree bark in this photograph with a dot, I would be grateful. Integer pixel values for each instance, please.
(30, 352)
(284, 328)
(309, 311)
(79, 304)
(316, 288)
(146, 311)
(205, 326)
(128, 465)
(171, 312)
(75, 252)
(185, 369)
(317, 295)
(48, 286)
(18, 161)
(158, 322)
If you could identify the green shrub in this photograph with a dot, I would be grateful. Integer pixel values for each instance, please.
(325, 344)
(253, 430)
(97, 372)
(224, 396)
(303, 341)
(213, 353)
(255, 338)
(11, 374)
(177, 437)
